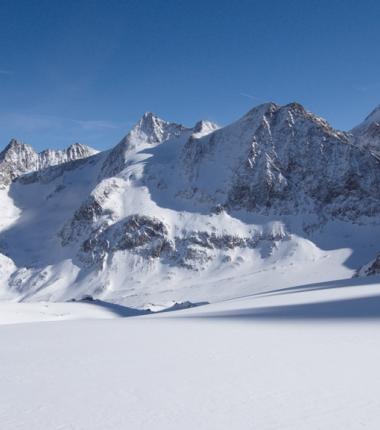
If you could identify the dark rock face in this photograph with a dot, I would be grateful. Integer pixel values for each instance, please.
(285, 160)
(142, 235)
(149, 237)
(138, 230)
(370, 269)
(83, 221)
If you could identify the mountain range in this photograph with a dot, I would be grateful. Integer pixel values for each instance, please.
(206, 213)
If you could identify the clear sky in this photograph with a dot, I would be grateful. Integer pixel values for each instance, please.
(87, 70)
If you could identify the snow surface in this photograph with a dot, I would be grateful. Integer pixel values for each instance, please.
(15, 312)
(302, 358)
(257, 228)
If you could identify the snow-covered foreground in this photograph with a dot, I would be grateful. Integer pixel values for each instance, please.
(12, 313)
(301, 358)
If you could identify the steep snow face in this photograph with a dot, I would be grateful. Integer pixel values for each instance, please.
(374, 116)
(18, 159)
(275, 199)
(367, 134)
(149, 132)
(203, 128)
(275, 160)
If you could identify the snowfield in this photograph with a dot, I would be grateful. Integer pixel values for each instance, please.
(194, 277)
(302, 358)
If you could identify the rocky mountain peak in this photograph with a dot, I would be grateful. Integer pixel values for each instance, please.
(367, 134)
(78, 150)
(374, 116)
(149, 122)
(260, 111)
(282, 159)
(18, 158)
(16, 149)
(169, 199)
(204, 127)
(295, 106)
(152, 130)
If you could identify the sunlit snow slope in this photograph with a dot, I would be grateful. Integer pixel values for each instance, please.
(172, 214)
(295, 359)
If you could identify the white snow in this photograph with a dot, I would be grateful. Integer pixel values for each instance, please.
(153, 172)
(305, 358)
(277, 334)
(16, 312)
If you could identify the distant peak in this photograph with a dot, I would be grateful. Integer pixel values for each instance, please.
(149, 119)
(15, 143)
(16, 146)
(374, 116)
(204, 127)
(152, 130)
(148, 123)
(271, 107)
(78, 145)
(149, 116)
(78, 150)
(295, 106)
(262, 109)
(370, 124)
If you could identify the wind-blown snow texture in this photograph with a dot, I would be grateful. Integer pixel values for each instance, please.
(278, 198)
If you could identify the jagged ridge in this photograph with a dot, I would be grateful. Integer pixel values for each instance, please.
(19, 158)
(132, 222)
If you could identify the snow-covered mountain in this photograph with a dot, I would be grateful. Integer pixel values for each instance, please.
(18, 158)
(367, 134)
(201, 213)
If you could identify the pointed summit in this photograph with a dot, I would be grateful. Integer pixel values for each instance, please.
(78, 150)
(261, 110)
(21, 155)
(374, 116)
(153, 130)
(149, 131)
(18, 158)
(52, 157)
(16, 148)
(367, 134)
(204, 127)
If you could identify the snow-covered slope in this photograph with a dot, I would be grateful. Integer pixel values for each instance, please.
(367, 134)
(276, 199)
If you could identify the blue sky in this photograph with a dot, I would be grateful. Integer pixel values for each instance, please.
(87, 70)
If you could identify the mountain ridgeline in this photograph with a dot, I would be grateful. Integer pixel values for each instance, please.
(18, 159)
(192, 213)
